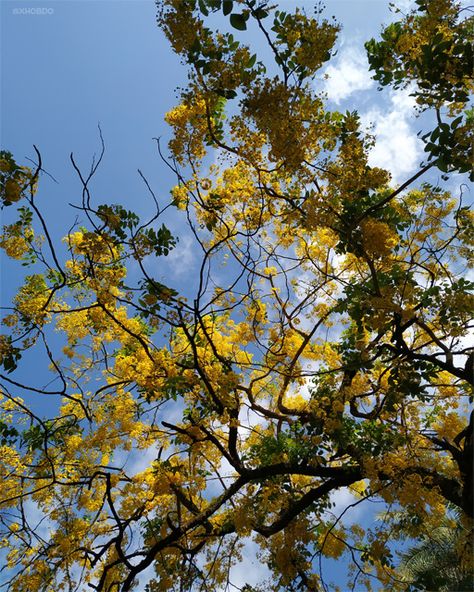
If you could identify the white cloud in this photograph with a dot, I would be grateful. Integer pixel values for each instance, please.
(347, 506)
(136, 460)
(403, 101)
(250, 570)
(349, 74)
(182, 258)
(144, 578)
(38, 520)
(397, 147)
(404, 5)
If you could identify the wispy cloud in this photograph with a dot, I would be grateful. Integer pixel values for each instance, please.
(183, 257)
(347, 505)
(249, 570)
(349, 74)
(397, 147)
(404, 5)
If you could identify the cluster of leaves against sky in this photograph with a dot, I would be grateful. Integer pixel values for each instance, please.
(325, 347)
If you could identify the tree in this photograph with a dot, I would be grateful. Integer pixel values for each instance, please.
(434, 563)
(323, 349)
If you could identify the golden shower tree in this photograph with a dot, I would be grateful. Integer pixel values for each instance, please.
(325, 346)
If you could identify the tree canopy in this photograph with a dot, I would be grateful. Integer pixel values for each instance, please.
(323, 344)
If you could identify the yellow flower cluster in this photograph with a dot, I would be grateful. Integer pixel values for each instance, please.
(332, 543)
(189, 120)
(180, 24)
(16, 240)
(94, 245)
(281, 118)
(309, 40)
(378, 238)
(32, 299)
(180, 195)
(449, 425)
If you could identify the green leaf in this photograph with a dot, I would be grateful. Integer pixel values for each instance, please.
(203, 8)
(227, 7)
(9, 355)
(252, 60)
(8, 434)
(260, 13)
(238, 21)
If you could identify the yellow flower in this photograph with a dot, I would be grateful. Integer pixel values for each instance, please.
(332, 543)
(16, 240)
(377, 237)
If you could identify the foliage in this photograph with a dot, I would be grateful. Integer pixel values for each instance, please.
(432, 49)
(434, 564)
(319, 347)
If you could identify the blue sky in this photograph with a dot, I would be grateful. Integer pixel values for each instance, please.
(106, 61)
(74, 64)
(70, 65)
(79, 64)
(88, 62)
